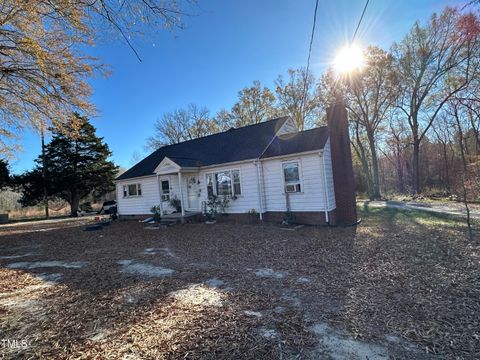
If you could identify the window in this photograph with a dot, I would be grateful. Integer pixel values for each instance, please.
(165, 190)
(291, 177)
(224, 183)
(132, 190)
(236, 182)
(210, 191)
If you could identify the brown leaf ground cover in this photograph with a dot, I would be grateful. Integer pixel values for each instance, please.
(401, 285)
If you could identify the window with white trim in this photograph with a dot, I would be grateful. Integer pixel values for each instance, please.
(224, 183)
(291, 177)
(132, 190)
(165, 190)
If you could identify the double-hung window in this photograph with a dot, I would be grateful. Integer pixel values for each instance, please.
(165, 190)
(132, 190)
(291, 177)
(224, 183)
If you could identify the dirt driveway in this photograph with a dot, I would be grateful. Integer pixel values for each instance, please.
(383, 290)
(439, 207)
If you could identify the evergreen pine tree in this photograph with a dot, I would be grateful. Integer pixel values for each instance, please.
(77, 166)
(4, 174)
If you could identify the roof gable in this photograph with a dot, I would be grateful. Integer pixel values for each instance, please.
(167, 166)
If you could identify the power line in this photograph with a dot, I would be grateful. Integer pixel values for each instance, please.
(312, 35)
(359, 22)
(307, 70)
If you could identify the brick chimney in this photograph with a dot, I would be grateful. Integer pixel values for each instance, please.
(343, 179)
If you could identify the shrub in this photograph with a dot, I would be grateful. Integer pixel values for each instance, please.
(176, 203)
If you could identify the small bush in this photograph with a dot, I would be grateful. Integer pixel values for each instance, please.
(176, 204)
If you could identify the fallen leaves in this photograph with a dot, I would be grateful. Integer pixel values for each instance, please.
(390, 276)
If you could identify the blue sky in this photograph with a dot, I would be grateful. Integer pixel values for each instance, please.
(226, 46)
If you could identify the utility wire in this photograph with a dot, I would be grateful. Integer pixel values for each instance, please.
(312, 35)
(307, 70)
(359, 22)
(311, 44)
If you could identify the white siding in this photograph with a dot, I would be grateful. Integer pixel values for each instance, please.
(248, 182)
(138, 205)
(312, 197)
(313, 171)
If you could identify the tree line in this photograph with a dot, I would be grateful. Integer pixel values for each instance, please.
(414, 109)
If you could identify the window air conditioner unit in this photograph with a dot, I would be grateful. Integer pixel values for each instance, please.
(290, 188)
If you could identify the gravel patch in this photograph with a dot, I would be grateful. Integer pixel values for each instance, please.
(8, 257)
(214, 283)
(47, 264)
(270, 273)
(257, 314)
(143, 269)
(268, 333)
(341, 347)
(154, 251)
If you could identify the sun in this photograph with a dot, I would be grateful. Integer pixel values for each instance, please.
(349, 59)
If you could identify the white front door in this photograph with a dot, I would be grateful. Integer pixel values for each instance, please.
(192, 193)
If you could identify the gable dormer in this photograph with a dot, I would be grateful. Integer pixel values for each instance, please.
(167, 166)
(287, 128)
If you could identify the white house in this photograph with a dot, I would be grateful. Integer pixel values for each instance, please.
(270, 167)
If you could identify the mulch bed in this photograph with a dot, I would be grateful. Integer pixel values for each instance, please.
(390, 276)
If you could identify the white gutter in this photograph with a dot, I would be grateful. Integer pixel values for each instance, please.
(327, 205)
(260, 202)
(258, 161)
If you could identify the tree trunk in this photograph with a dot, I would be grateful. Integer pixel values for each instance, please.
(363, 159)
(74, 203)
(464, 175)
(416, 165)
(44, 172)
(447, 175)
(375, 174)
(401, 181)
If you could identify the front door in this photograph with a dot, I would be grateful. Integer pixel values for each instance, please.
(192, 193)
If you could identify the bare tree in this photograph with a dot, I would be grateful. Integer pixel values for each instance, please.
(454, 109)
(181, 125)
(443, 135)
(425, 61)
(369, 98)
(224, 120)
(298, 97)
(255, 104)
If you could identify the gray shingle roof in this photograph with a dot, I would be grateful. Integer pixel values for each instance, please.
(308, 140)
(243, 143)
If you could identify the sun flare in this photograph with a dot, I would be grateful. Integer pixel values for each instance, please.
(349, 59)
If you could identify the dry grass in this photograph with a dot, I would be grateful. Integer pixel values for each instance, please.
(35, 213)
(409, 276)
